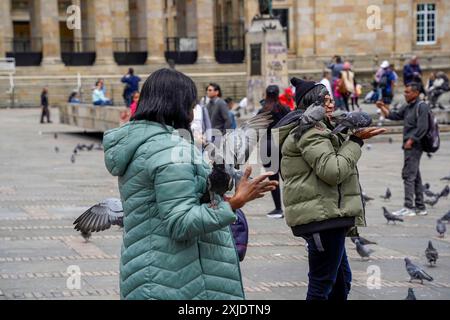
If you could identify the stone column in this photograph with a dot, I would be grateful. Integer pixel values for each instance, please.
(305, 28)
(205, 31)
(155, 32)
(48, 16)
(6, 26)
(251, 8)
(403, 29)
(121, 22)
(103, 32)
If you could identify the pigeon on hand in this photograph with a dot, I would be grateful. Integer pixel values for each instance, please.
(431, 254)
(387, 195)
(350, 120)
(445, 192)
(100, 217)
(441, 228)
(390, 217)
(362, 250)
(411, 295)
(362, 240)
(238, 145)
(415, 272)
(447, 178)
(432, 202)
(446, 217)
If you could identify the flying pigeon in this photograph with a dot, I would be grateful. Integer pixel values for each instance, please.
(350, 120)
(387, 195)
(446, 217)
(238, 145)
(362, 250)
(100, 217)
(415, 272)
(441, 228)
(447, 178)
(390, 217)
(411, 295)
(431, 254)
(362, 240)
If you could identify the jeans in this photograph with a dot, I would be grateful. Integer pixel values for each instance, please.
(329, 271)
(412, 179)
(103, 103)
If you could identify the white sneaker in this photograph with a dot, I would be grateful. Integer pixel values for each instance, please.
(404, 212)
(422, 212)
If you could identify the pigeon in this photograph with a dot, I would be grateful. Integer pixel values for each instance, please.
(390, 217)
(432, 202)
(56, 149)
(100, 217)
(86, 235)
(72, 158)
(366, 198)
(98, 147)
(362, 250)
(431, 254)
(350, 120)
(362, 240)
(55, 135)
(390, 140)
(291, 117)
(411, 295)
(445, 192)
(426, 186)
(415, 272)
(313, 115)
(90, 147)
(237, 146)
(447, 178)
(387, 195)
(441, 228)
(75, 151)
(430, 193)
(446, 217)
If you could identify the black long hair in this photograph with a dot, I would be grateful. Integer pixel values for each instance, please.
(167, 97)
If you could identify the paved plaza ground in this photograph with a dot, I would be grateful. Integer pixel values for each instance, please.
(42, 192)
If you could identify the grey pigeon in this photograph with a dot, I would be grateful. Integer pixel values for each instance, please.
(291, 117)
(362, 250)
(447, 178)
(415, 272)
(391, 140)
(445, 192)
(313, 115)
(431, 254)
(390, 217)
(432, 202)
(387, 195)
(100, 217)
(446, 217)
(366, 198)
(90, 147)
(411, 295)
(55, 135)
(86, 235)
(426, 186)
(350, 120)
(430, 193)
(441, 228)
(362, 240)
(56, 149)
(72, 158)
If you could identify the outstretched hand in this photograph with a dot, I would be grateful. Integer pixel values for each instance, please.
(368, 133)
(251, 189)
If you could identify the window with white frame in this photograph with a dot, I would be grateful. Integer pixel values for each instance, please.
(426, 23)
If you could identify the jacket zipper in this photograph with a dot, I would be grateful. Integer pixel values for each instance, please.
(340, 196)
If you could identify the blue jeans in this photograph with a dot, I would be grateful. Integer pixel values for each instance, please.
(329, 271)
(103, 103)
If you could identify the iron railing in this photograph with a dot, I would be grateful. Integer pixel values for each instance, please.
(229, 37)
(78, 45)
(23, 45)
(130, 44)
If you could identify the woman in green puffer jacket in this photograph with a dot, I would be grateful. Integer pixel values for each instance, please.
(173, 247)
(321, 193)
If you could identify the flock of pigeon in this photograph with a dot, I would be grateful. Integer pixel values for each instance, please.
(79, 147)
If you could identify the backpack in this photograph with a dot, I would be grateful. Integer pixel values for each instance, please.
(342, 88)
(431, 141)
(240, 234)
(383, 81)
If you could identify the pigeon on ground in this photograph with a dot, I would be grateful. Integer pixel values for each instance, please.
(441, 228)
(100, 217)
(72, 158)
(431, 254)
(447, 178)
(238, 145)
(75, 151)
(426, 186)
(55, 135)
(432, 202)
(90, 147)
(56, 149)
(390, 217)
(391, 140)
(362, 240)
(350, 120)
(445, 192)
(411, 295)
(387, 195)
(362, 250)
(430, 193)
(415, 272)
(446, 217)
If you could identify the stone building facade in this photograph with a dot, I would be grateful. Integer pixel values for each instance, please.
(207, 37)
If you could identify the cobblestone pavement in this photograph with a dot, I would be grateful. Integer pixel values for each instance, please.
(41, 192)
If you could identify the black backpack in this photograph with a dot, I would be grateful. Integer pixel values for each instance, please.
(431, 141)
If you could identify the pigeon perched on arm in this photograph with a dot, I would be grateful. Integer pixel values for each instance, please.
(362, 250)
(411, 295)
(100, 217)
(390, 217)
(362, 240)
(431, 254)
(441, 228)
(415, 272)
(312, 115)
(350, 120)
(387, 195)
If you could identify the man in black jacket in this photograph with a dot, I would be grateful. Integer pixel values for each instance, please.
(415, 116)
(44, 105)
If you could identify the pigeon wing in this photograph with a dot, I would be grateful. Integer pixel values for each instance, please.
(100, 217)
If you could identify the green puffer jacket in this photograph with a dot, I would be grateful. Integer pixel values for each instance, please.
(321, 183)
(173, 248)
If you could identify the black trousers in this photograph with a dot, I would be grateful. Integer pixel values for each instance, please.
(412, 179)
(329, 275)
(45, 113)
(276, 194)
